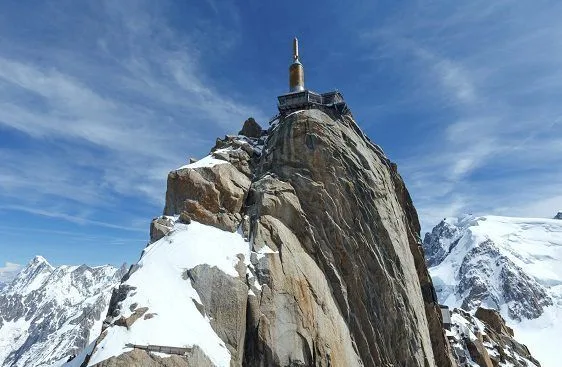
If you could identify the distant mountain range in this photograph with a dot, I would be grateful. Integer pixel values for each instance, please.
(48, 314)
(513, 265)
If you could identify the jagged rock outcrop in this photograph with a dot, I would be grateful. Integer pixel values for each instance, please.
(491, 346)
(251, 129)
(159, 227)
(558, 215)
(442, 239)
(333, 271)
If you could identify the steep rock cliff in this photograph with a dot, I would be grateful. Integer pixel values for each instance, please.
(331, 273)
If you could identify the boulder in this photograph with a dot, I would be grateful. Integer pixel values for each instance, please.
(159, 227)
(211, 195)
(493, 320)
(478, 353)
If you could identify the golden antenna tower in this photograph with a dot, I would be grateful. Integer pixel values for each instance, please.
(296, 70)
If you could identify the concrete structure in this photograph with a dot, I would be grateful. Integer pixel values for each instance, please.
(300, 98)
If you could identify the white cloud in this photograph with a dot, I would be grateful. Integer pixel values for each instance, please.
(115, 114)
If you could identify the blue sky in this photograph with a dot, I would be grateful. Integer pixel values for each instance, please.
(100, 99)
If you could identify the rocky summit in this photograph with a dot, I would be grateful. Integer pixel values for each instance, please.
(295, 246)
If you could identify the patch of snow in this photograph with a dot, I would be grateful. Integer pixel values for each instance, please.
(208, 161)
(542, 336)
(162, 287)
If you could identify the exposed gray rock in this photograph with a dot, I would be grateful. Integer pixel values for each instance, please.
(558, 215)
(224, 301)
(159, 227)
(524, 296)
(439, 242)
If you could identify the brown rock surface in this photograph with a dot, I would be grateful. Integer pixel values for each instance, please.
(337, 276)
(355, 230)
(493, 320)
(210, 195)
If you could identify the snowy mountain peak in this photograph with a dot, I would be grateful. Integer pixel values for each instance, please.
(32, 276)
(444, 237)
(48, 314)
(558, 215)
(37, 260)
(513, 265)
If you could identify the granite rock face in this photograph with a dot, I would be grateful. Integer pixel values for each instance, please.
(336, 275)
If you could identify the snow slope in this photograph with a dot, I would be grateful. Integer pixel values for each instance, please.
(161, 283)
(513, 265)
(48, 314)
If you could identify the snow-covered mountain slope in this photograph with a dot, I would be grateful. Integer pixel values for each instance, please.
(48, 314)
(158, 302)
(513, 265)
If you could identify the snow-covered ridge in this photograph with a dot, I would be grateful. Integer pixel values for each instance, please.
(48, 314)
(159, 291)
(513, 265)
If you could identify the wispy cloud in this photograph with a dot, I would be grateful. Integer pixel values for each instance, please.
(117, 113)
(76, 218)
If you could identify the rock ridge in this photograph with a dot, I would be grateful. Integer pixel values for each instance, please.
(334, 274)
